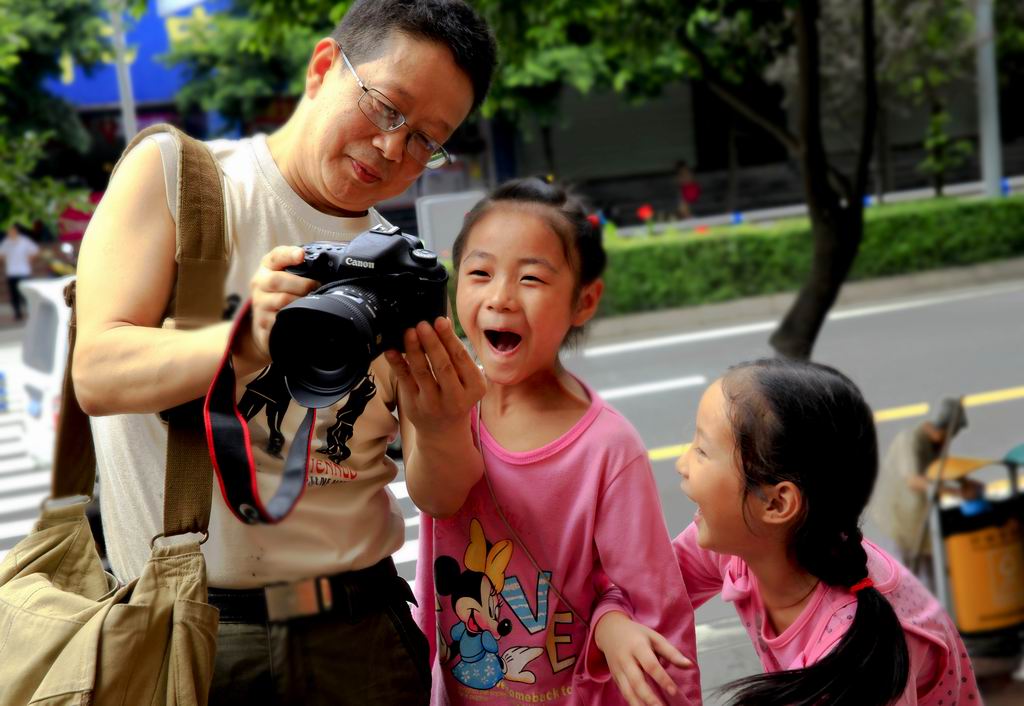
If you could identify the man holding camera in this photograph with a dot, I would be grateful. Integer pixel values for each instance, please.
(382, 95)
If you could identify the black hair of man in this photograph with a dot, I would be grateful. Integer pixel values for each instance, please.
(364, 30)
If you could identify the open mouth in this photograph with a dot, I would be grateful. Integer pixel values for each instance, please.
(503, 341)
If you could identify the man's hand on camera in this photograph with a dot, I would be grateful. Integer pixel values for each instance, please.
(438, 382)
(273, 289)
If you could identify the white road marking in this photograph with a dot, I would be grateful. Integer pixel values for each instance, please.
(16, 529)
(18, 464)
(763, 326)
(38, 480)
(410, 551)
(616, 393)
(399, 489)
(30, 501)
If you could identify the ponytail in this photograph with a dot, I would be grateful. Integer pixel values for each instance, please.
(788, 417)
(869, 667)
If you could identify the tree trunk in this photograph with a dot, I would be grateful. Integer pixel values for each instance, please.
(837, 238)
(549, 148)
(834, 201)
(882, 166)
(836, 210)
(937, 149)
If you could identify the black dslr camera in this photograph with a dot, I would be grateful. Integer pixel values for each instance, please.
(373, 289)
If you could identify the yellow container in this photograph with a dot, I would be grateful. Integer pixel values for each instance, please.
(986, 575)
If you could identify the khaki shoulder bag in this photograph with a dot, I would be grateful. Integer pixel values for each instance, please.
(69, 632)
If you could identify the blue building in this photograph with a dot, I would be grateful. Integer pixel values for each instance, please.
(148, 38)
(96, 95)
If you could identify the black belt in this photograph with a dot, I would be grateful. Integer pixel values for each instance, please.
(352, 594)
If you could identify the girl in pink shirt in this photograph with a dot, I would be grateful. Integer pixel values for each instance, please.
(565, 526)
(781, 467)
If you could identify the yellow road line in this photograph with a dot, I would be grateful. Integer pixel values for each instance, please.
(893, 413)
(920, 409)
(666, 452)
(983, 398)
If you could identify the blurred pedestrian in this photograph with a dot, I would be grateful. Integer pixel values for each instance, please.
(689, 189)
(17, 251)
(899, 504)
(312, 610)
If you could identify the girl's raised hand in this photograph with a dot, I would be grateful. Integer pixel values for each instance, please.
(437, 379)
(632, 651)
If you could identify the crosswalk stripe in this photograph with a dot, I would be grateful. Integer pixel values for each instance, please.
(40, 479)
(21, 464)
(16, 529)
(13, 447)
(21, 503)
(399, 489)
(409, 551)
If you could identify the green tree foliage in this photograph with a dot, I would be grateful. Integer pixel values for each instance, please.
(27, 197)
(635, 47)
(923, 46)
(937, 49)
(942, 152)
(33, 38)
(239, 62)
(1010, 38)
(732, 44)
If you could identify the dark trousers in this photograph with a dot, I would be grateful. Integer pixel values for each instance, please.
(17, 301)
(354, 655)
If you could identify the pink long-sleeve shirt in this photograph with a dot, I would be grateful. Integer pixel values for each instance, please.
(940, 670)
(586, 506)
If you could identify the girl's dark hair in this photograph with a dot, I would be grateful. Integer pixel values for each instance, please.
(364, 29)
(808, 424)
(564, 212)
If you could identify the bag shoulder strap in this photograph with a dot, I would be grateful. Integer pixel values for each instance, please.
(74, 458)
(201, 255)
(200, 243)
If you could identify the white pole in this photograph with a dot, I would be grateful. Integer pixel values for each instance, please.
(124, 79)
(988, 99)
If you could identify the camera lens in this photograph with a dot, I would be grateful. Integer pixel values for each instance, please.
(325, 344)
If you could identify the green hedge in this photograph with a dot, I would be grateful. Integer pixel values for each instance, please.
(672, 270)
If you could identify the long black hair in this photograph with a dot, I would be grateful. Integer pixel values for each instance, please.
(565, 213)
(808, 424)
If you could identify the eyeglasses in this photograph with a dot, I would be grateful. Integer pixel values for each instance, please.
(385, 116)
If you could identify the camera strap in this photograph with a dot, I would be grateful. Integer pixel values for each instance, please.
(227, 435)
(508, 525)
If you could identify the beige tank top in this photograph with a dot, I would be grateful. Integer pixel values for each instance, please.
(347, 519)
